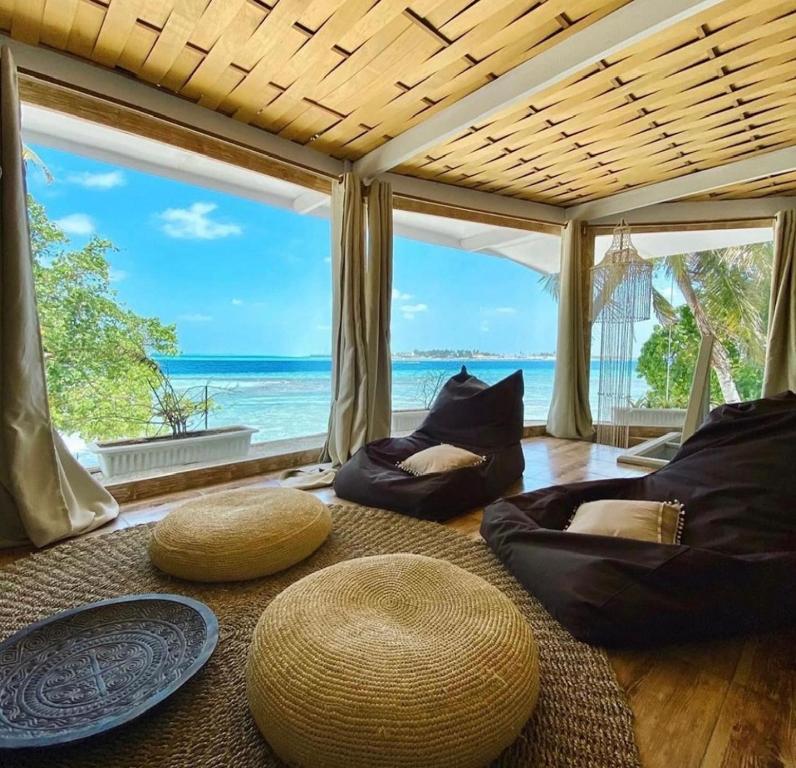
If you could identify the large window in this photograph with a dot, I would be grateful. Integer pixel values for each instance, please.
(153, 291)
(708, 281)
(453, 307)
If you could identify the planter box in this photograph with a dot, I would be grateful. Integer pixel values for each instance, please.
(649, 417)
(408, 421)
(130, 457)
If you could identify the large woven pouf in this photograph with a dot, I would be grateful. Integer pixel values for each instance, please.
(394, 661)
(237, 535)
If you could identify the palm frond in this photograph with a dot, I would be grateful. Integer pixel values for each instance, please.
(29, 156)
(551, 284)
(663, 309)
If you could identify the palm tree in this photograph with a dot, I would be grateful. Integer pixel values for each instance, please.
(726, 290)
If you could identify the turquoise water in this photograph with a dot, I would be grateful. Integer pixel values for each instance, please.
(289, 397)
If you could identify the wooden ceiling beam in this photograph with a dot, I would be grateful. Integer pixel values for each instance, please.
(627, 26)
(697, 183)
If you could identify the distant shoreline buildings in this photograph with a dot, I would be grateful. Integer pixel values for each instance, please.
(468, 354)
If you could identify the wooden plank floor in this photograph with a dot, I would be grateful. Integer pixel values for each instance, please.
(728, 704)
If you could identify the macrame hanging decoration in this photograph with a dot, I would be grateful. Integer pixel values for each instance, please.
(622, 296)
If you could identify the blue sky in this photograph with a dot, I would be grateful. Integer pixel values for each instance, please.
(242, 278)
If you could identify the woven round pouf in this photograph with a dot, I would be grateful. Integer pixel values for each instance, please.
(393, 661)
(237, 535)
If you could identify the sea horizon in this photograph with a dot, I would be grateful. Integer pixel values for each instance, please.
(395, 356)
(289, 396)
(285, 397)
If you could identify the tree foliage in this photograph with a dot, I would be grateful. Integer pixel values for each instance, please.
(726, 292)
(96, 349)
(668, 359)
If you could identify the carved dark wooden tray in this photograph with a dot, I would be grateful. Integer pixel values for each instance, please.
(84, 671)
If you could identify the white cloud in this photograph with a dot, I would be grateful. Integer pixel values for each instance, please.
(107, 180)
(196, 317)
(327, 259)
(76, 224)
(236, 302)
(484, 326)
(497, 311)
(398, 296)
(193, 223)
(410, 310)
(322, 327)
(117, 275)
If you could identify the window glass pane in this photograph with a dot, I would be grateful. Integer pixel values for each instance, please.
(714, 281)
(483, 309)
(137, 272)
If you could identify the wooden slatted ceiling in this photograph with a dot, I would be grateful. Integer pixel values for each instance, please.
(781, 184)
(342, 75)
(346, 75)
(718, 88)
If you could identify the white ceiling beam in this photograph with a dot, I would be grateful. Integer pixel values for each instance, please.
(696, 183)
(486, 202)
(71, 134)
(627, 26)
(701, 211)
(309, 201)
(544, 256)
(423, 235)
(497, 238)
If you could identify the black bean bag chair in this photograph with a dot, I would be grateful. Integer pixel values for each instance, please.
(467, 413)
(734, 571)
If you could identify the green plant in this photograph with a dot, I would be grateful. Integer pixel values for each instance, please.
(727, 291)
(430, 384)
(96, 350)
(668, 358)
(179, 410)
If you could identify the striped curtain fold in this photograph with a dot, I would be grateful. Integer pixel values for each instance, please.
(570, 412)
(361, 295)
(780, 369)
(45, 494)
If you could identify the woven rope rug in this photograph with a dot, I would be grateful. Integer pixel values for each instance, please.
(581, 721)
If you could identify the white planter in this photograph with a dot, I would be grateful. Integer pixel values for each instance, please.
(130, 457)
(408, 421)
(649, 417)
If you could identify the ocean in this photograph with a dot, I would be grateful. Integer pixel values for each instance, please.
(285, 397)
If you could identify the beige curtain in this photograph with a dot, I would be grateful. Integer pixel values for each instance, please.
(361, 294)
(378, 300)
(348, 416)
(780, 371)
(45, 495)
(570, 413)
